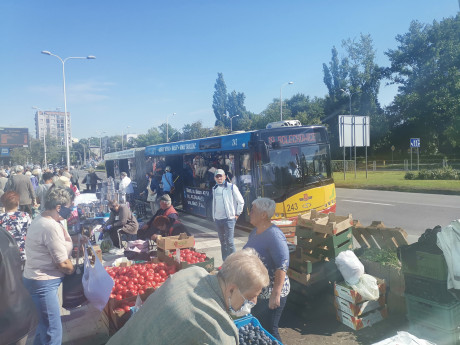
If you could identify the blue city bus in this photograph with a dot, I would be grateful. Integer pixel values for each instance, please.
(291, 165)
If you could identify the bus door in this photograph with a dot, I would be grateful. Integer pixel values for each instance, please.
(245, 179)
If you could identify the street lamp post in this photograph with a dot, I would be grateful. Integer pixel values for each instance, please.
(67, 135)
(281, 98)
(122, 135)
(231, 121)
(100, 143)
(167, 127)
(44, 137)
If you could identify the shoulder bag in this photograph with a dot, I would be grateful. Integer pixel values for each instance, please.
(73, 293)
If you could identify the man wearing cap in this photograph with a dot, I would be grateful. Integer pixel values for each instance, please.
(166, 209)
(227, 205)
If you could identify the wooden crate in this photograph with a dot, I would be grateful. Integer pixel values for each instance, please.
(320, 245)
(325, 223)
(377, 235)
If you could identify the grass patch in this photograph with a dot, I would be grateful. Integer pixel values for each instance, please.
(394, 180)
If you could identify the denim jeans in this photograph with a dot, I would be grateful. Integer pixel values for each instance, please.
(226, 230)
(269, 318)
(45, 296)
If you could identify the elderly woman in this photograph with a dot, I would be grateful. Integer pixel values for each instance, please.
(48, 247)
(14, 221)
(269, 241)
(194, 307)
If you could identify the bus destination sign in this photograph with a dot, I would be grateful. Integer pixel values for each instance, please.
(292, 139)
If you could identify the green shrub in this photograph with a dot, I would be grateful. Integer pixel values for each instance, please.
(409, 176)
(435, 174)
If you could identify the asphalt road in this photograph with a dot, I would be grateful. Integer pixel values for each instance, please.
(413, 212)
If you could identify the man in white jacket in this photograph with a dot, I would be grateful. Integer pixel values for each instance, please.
(126, 186)
(227, 205)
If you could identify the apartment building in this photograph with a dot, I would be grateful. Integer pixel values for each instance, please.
(52, 123)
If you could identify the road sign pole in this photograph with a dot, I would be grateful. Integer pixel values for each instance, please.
(411, 158)
(418, 160)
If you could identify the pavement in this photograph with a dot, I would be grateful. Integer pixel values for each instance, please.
(314, 324)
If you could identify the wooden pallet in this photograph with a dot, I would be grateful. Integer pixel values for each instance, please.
(377, 235)
(325, 223)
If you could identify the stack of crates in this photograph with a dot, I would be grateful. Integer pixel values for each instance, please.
(354, 311)
(312, 268)
(433, 312)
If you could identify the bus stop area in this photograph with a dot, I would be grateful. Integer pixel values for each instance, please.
(311, 321)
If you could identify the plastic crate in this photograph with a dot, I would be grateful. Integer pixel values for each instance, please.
(430, 289)
(435, 334)
(443, 316)
(424, 264)
(246, 320)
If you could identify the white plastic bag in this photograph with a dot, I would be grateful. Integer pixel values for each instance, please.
(349, 265)
(367, 287)
(97, 283)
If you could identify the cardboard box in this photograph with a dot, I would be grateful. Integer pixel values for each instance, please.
(365, 320)
(346, 292)
(360, 308)
(325, 223)
(175, 242)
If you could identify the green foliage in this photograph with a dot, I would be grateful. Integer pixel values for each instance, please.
(434, 174)
(426, 65)
(386, 257)
(410, 175)
(219, 99)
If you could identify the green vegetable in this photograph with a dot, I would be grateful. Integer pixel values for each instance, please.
(386, 257)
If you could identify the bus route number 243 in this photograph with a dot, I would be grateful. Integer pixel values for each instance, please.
(292, 207)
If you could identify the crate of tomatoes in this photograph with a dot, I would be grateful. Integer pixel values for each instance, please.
(188, 257)
(131, 281)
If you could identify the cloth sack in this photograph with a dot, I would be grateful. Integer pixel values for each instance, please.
(72, 286)
(349, 265)
(97, 283)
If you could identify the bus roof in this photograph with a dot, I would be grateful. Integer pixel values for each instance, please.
(122, 154)
(230, 142)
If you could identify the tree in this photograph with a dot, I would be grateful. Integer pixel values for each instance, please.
(194, 131)
(219, 99)
(426, 65)
(152, 137)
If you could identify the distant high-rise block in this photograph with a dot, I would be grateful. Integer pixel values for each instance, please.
(52, 123)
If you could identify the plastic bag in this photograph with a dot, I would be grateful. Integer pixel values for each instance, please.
(367, 287)
(97, 283)
(349, 265)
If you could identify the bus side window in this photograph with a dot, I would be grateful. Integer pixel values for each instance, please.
(245, 171)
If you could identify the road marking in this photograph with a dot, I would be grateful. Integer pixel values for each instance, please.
(367, 202)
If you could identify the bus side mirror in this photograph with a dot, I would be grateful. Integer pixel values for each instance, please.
(262, 150)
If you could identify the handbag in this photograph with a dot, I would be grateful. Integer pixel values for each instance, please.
(73, 294)
(97, 283)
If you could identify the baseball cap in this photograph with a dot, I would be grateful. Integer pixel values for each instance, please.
(165, 197)
(219, 172)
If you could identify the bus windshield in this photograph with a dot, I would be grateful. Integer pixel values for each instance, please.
(293, 168)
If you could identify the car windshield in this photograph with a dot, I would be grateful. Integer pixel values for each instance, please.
(293, 168)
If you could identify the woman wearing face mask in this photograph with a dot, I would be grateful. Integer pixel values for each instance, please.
(194, 307)
(48, 247)
(269, 241)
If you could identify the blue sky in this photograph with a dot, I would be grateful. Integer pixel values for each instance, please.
(155, 58)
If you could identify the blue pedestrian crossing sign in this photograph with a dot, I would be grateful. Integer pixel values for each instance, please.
(415, 142)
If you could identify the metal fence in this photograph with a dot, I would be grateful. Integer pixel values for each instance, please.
(396, 165)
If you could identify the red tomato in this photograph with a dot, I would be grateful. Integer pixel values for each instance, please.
(118, 297)
(157, 279)
(112, 295)
(162, 273)
(141, 292)
(127, 308)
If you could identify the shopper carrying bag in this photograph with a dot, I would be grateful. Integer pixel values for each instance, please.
(97, 283)
(73, 294)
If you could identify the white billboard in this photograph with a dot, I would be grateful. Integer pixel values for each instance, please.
(354, 130)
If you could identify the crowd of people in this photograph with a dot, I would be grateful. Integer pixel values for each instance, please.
(33, 218)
